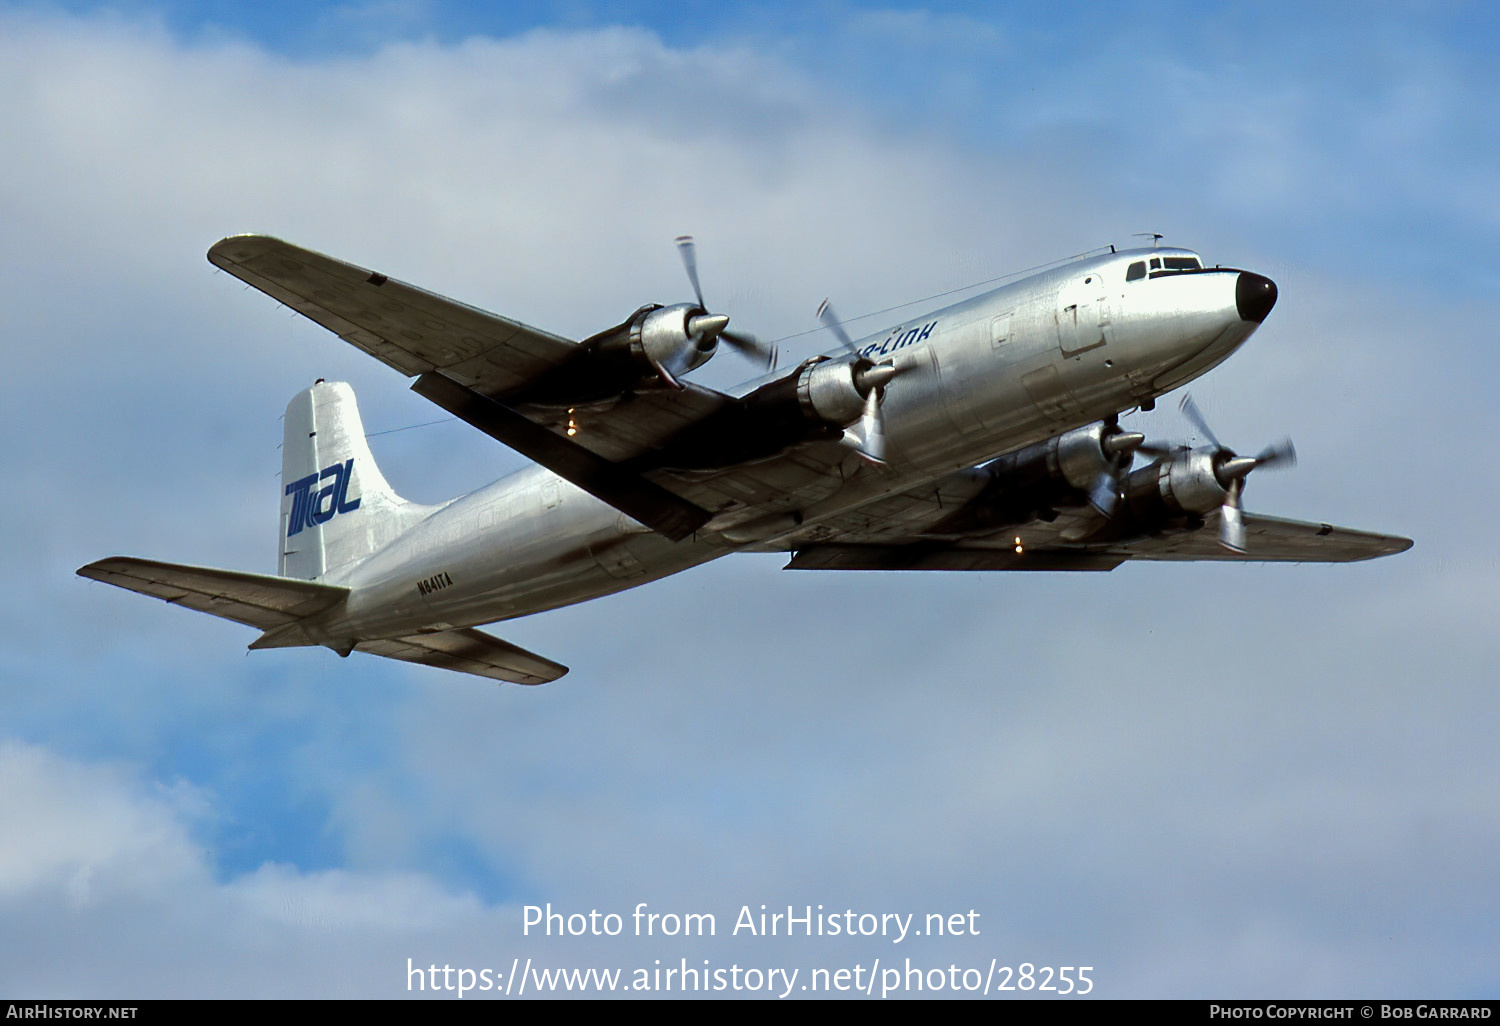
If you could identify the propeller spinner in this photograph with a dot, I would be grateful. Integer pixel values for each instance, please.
(1231, 469)
(870, 379)
(1120, 448)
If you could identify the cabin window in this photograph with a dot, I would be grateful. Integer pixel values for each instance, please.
(1137, 271)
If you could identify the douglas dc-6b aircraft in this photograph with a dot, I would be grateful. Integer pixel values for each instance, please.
(984, 436)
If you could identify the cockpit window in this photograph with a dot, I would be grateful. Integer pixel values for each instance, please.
(1137, 271)
(1174, 265)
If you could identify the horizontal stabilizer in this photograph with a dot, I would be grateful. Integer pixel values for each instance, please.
(469, 651)
(258, 600)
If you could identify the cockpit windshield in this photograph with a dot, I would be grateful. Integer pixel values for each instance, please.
(1160, 265)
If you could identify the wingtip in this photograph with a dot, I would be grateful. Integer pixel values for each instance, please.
(538, 681)
(232, 248)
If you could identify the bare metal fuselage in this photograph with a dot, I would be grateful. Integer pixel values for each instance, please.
(978, 379)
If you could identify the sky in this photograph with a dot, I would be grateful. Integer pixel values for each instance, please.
(1200, 780)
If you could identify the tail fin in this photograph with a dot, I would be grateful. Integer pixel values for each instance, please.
(336, 507)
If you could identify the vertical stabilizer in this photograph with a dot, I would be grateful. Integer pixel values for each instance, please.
(336, 507)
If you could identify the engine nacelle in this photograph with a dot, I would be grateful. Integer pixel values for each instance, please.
(833, 392)
(817, 401)
(1072, 460)
(655, 338)
(663, 338)
(1185, 482)
(1036, 481)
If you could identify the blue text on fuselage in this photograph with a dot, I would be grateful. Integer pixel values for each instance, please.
(310, 508)
(898, 339)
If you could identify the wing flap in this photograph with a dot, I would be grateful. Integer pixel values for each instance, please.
(258, 600)
(921, 556)
(405, 327)
(469, 651)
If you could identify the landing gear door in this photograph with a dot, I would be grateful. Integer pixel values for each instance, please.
(1083, 312)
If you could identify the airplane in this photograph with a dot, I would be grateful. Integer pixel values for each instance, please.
(982, 436)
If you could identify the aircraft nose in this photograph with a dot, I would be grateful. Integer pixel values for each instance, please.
(1254, 295)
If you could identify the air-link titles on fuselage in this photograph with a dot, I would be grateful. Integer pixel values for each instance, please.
(898, 340)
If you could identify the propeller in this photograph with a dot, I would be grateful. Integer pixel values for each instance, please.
(869, 378)
(706, 328)
(1231, 469)
(832, 323)
(1120, 447)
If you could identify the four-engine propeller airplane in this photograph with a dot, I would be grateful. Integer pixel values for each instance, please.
(984, 436)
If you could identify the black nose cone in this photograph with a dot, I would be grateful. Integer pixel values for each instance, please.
(1254, 296)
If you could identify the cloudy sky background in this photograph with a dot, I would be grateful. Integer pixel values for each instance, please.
(1201, 780)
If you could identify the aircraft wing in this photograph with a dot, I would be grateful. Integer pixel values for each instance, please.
(447, 343)
(469, 361)
(1268, 539)
(410, 329)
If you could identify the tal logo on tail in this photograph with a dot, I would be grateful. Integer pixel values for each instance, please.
(310, 508)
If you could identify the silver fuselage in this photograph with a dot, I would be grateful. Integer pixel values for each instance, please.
(978, 379)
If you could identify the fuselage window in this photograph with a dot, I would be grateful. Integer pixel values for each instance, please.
(1137, 271)
(1156, 263)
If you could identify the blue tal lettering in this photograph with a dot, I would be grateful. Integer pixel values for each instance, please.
(926, 331)
(344, 505)
(326, 503)
(298, 491)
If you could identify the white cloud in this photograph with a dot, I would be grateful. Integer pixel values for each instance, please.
(78, 830)
(107, 890)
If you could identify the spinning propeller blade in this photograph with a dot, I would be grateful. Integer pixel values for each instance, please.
(708, 328)
(1231, 470)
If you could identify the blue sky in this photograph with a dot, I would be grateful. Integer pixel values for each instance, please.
(1267, 781)
(1328, 97)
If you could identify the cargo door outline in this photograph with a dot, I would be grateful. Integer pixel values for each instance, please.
(1083, 316)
